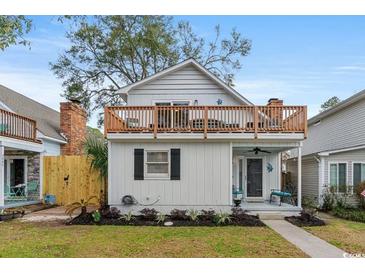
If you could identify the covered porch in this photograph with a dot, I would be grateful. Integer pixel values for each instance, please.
(256, 173)
(20, 176)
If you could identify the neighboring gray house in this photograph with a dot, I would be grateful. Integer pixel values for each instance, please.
(334, 151)
(29, 131)
(187, 140)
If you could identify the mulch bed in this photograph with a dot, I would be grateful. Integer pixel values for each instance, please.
(305, 219)
(238, 220)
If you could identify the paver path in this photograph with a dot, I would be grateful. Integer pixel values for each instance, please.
(308, 243)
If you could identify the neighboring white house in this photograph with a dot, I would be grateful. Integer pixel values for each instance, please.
(29, 131)
(187, 140)
(334, 152)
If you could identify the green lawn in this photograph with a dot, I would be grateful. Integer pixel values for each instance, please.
(55, 240)
(347, 235)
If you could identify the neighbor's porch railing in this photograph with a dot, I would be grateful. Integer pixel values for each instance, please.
(16, 126)
(207, 119)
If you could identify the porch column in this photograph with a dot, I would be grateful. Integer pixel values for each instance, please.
(300, 176)
(41, 155)
(2, 183)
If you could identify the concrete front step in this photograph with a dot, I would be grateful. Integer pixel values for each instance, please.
(270, 216)
(275, 215)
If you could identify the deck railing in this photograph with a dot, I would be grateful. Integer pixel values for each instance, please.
(207, 119)
(16, 126)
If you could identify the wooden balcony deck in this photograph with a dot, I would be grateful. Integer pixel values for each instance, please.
(16, 126)
(206, 119)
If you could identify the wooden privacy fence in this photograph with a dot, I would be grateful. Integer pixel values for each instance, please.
(70, 179)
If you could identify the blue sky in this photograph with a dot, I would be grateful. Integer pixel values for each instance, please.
(301, 59)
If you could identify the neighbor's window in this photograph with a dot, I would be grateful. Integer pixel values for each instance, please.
(157, 164)
(338, 177)
(358, 174)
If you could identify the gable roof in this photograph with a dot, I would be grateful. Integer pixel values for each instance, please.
(124, 91)
(345, 103)
(48, 119)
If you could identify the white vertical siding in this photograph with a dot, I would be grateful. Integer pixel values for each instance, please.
(204, 175)
(186, 84)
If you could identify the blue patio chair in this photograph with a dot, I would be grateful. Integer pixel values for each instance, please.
(32, 189)
(281, 195)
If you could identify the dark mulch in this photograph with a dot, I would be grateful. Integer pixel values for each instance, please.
(305, 219)
(237, 220)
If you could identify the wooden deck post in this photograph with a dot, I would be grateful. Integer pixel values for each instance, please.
(256, 120)
(106, 118)
(305, 123)
(155, 121)
(205, 122)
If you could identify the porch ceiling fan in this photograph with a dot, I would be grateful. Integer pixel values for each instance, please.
(256, 150)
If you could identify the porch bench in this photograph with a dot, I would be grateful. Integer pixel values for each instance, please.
(281, 194)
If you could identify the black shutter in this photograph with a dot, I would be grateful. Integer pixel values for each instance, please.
(138, 164)
(175, 164)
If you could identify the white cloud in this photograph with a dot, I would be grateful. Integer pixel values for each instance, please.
(350, 68)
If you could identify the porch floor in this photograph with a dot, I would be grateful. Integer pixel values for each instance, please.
(265, 206)
(12, 203)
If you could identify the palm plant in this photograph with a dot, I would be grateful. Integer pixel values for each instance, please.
(83, 204)
(97, 150)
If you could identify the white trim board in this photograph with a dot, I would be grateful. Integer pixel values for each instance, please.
(327, 153)
(20, 144)
(212, 136)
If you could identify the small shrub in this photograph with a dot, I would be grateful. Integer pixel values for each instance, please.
(177, 214)
(96, 216)
(356, 215)
(310, 206)
(222, 218)
(341, 201)
(149, 213)
(127, 217)
(193, 214)
(328, 201)
(112, 213)
(207, 215)
(359, 189)
(237, 211)
(160, 218)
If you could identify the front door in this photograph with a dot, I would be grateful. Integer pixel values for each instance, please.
(254, 177)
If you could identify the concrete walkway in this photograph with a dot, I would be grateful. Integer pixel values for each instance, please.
(308, 243)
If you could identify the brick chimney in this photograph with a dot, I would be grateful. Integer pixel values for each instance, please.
(275, 102)
(73, 126)
(276, 114)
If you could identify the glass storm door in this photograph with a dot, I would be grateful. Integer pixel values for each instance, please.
(254, 177)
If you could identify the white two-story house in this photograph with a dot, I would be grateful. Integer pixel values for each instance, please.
(186, 140)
